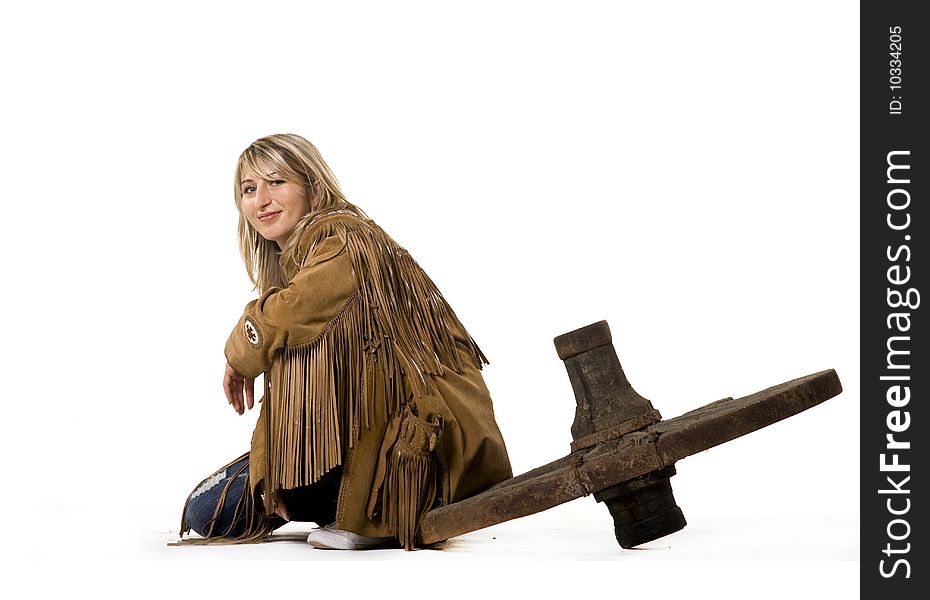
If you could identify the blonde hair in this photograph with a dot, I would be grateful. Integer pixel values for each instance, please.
(294, 159)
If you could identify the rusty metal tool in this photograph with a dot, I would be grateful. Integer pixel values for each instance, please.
(622, 451)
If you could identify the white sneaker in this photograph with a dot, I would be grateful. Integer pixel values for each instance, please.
(330, 538)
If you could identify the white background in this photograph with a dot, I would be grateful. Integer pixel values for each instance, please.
(687, 171)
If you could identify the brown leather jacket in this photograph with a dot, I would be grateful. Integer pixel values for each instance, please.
(366, 366)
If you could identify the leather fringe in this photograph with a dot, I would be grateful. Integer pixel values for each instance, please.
(319, 395)
(411, 482)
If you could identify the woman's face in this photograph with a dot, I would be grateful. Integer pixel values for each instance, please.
(273, 206)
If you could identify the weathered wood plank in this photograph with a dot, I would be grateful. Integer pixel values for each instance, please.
(728, 419)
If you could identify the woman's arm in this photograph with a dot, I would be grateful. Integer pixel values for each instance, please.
(289, 316)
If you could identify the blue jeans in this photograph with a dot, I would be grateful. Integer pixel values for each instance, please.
(316, 503)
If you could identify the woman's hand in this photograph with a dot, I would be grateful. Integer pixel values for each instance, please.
(233, 385)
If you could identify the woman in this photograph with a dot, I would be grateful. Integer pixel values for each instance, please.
(374, 409)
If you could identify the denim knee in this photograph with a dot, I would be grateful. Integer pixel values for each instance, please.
(202, 503)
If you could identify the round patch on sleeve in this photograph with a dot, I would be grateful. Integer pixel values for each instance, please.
(251, 333)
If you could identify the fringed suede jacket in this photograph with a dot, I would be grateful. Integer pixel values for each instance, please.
(366, 366)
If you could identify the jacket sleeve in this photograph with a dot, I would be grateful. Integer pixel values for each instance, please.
(296, 314)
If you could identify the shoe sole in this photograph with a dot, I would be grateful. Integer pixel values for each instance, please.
(345, 540)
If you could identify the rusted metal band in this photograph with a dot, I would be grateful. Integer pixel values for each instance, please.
(654, 440)
(611, 433)
(577, 462)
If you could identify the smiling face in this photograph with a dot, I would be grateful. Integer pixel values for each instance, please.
(273, 206)
(276, 178)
